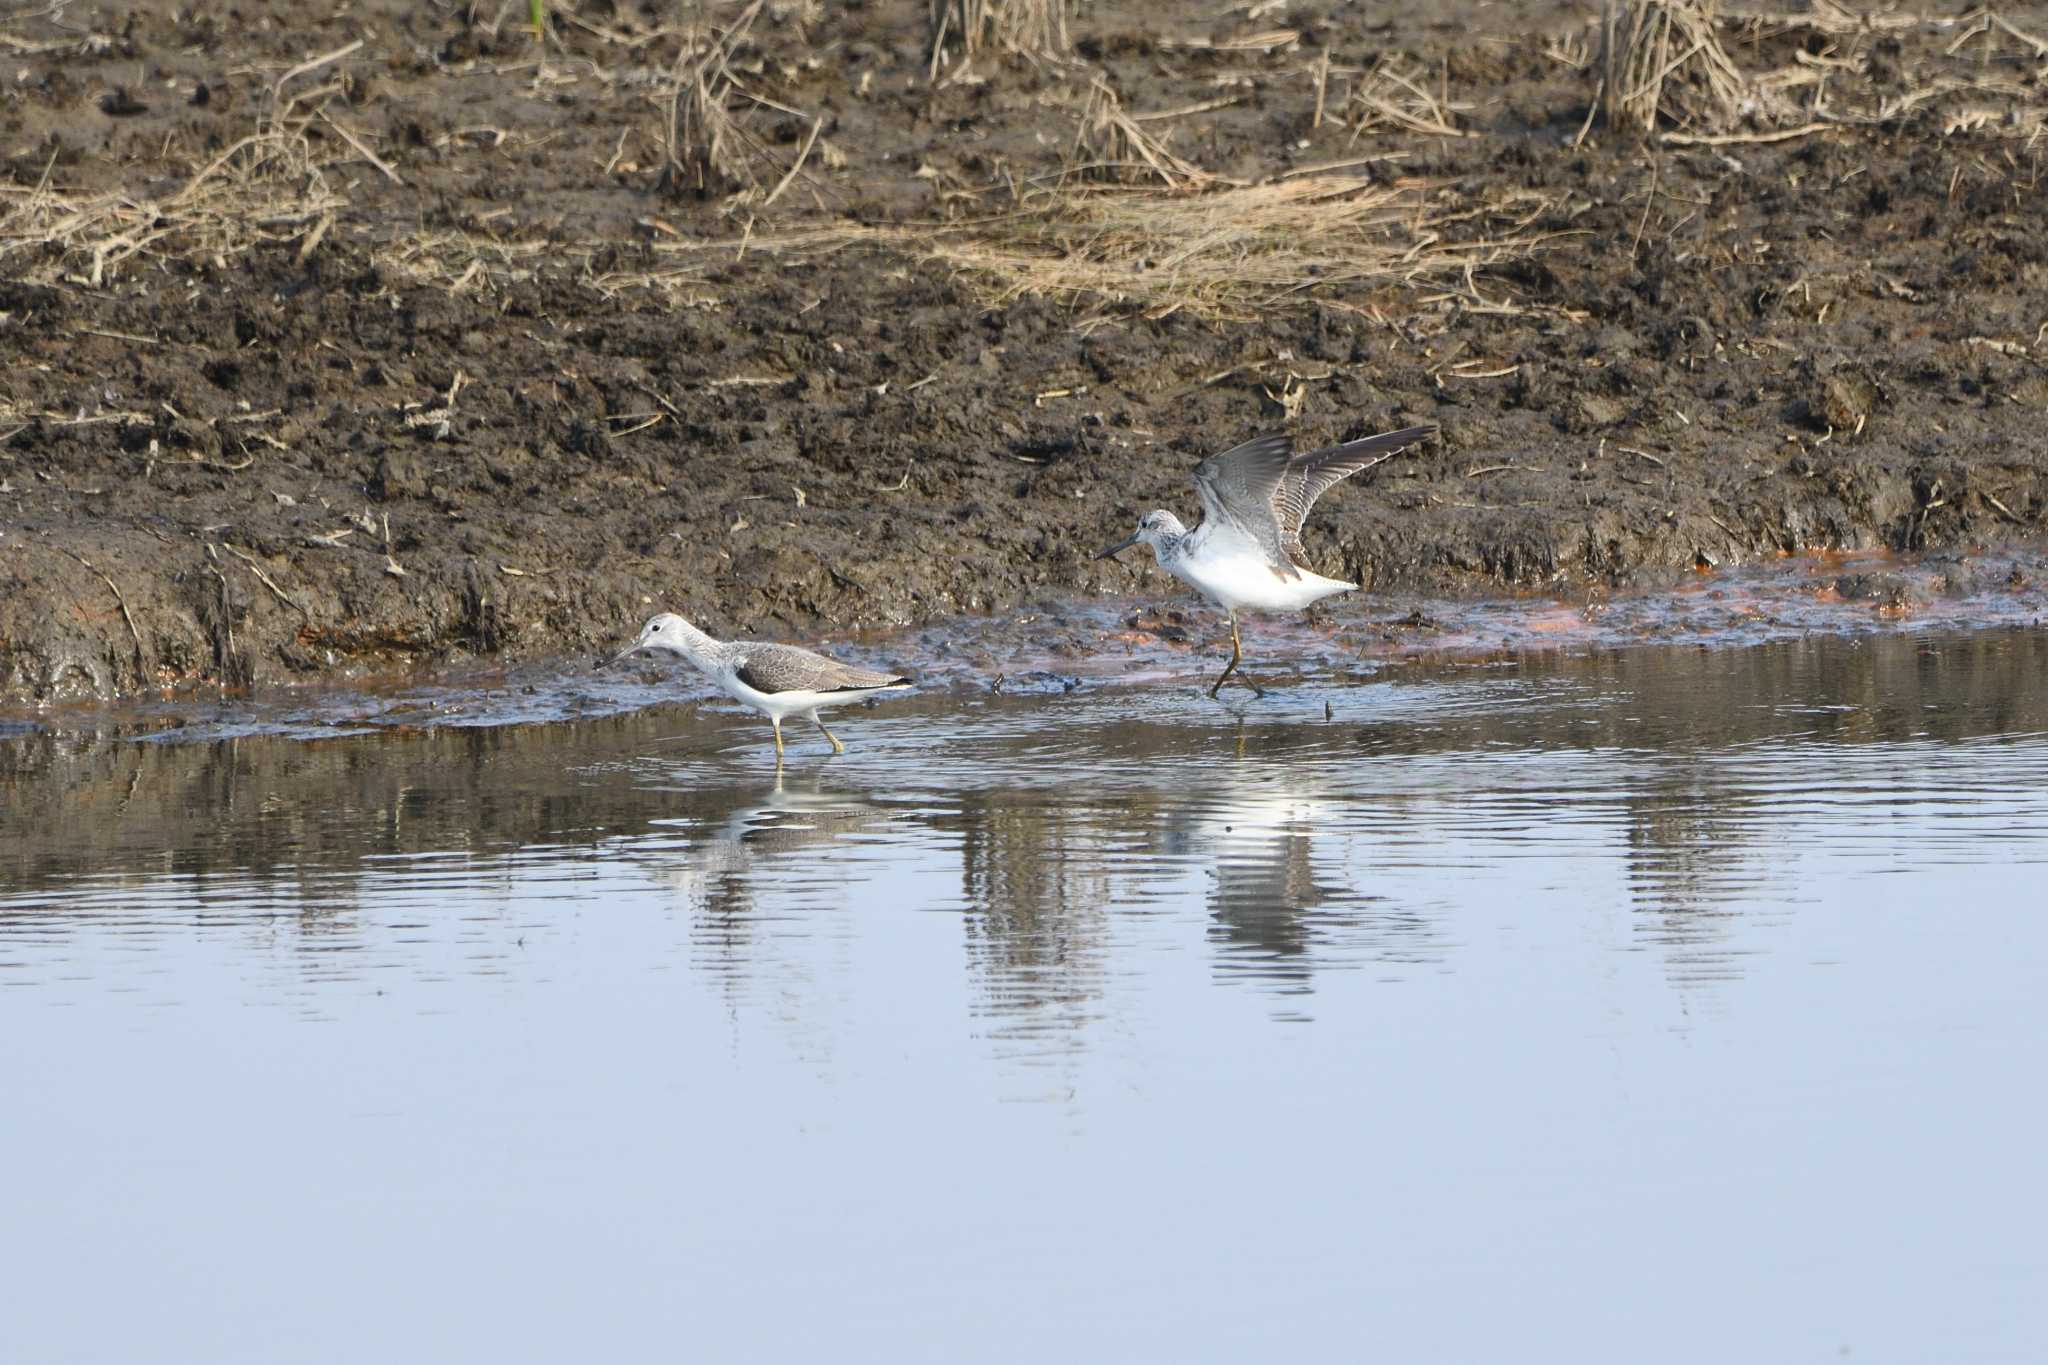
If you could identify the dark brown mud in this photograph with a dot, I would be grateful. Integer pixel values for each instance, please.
(494, 394)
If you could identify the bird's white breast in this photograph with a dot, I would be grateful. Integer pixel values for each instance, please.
(1231, 570)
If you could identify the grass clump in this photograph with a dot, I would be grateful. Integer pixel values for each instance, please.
(265, 188)
(1035, 28)
(1110, 143)
(1663, 59)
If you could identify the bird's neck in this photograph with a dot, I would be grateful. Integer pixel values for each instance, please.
(693, 644)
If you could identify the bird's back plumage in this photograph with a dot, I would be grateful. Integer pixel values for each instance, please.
(772, 668)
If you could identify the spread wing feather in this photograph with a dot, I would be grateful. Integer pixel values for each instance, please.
(1238, 486)
(1310, 476)
(1264, 490)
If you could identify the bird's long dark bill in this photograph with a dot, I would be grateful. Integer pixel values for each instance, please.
(628, 652)
(1118, 548)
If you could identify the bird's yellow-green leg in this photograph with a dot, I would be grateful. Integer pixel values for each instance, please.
(1235, 648)
(1230, 667)
(1236, 654)
(776, 721)
(837, 747)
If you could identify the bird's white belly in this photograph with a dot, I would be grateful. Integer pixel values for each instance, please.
(1236, 579)
(794, 703)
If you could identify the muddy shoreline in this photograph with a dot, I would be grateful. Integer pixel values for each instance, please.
(1056, 649)
(496, 395)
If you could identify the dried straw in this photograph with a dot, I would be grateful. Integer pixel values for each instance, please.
(1388, 97)
(264, 188)
(1035, 28)
(1231, 252)
(704, 150)
(1110, 144)
(1663, 58)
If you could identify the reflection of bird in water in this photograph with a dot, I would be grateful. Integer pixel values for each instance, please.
(1278, 913)
(1264, 884)
(774, 846)
(734, 858)
(1690, 854)
(1034, 869)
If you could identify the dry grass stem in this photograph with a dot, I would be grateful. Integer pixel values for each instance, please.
(256, 567)
(1663, 65)
(706, 147)
(1738, 139)
(460, 260)
(271, 186)
(1034, 28)
(1831, 17)
(1266, 40)
(141, 656)
(1111, 144)
(1387, 97)
(705, 151)
(795, 166)
(1664, 59)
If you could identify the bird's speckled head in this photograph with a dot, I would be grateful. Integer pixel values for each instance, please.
(1157, 529)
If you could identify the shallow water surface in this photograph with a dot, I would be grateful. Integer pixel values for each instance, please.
(1660, 1003)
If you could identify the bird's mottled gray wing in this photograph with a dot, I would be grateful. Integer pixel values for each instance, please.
(1310, 476)
(786, 668)
(1238, 487)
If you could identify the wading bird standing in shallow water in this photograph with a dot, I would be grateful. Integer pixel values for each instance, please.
(1247, 552)
(776, 680)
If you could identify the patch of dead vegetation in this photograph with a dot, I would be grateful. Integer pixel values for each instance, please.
(1125, 224)
(708, 151)
(478, 262)
(1670, 68)
(271, 186)
(1031, 28)
(1389, 96)
(268, 187)
(1240, 251)
(1113, 144)
(1661, 61)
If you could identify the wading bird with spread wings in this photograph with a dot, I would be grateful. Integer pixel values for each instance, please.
(1247, 554)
